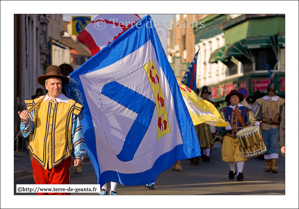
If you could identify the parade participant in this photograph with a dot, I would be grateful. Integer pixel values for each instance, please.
(38, 93)
(257, 95)
(250, 101)
(204, 134)
(104, 188)
(194, 160)
(269, 109)
(177, 166)
(66, 69)
(54, 131)
(282, 132)
(236, 116)
(150, 186)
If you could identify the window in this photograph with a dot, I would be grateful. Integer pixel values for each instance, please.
(184, 42)
(218, 46)
(263, 56)
(248, 65)
(211, 50)
(232, 68)
(204, 60)
(199, 63)
(282, 59)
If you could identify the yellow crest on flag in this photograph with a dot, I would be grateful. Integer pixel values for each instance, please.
(79, 23)
(154, 79)
(200, 110)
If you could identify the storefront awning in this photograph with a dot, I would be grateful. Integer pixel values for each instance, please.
(281, 40)
(260, 42)
(252, 32)
(251, 28)
(238, 50)
(244, 46)
(217, 55)
(225, 53)
(74, 51)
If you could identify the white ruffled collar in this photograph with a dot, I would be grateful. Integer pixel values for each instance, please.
(233, 107)
(60, 98)
(274, 98)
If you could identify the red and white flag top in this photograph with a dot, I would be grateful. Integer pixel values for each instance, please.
(104, 29)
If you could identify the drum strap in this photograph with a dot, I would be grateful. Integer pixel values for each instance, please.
(239, 117)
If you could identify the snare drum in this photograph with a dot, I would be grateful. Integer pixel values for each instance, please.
(251, 142)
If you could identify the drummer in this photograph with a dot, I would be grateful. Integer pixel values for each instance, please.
(236, 116)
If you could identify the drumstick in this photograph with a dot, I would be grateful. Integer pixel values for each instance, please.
(214, 138)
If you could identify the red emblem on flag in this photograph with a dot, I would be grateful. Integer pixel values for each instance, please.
(162, 125)
(155, 79)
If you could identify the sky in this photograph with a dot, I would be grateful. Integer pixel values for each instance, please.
(158, 19)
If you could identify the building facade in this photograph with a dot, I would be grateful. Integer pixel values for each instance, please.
(234, 50)
(79, 53)
(30, 58)
(55, 26)
(181, 49)
(59, 51)
(207, 40)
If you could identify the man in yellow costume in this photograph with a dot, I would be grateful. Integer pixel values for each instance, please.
(54, 130)
(236, 116)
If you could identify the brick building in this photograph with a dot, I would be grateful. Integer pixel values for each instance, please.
(181, 43)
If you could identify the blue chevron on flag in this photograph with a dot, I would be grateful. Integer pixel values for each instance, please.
(189, 78)
(135, 122)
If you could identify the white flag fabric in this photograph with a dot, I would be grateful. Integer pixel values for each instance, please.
(104, 29)
(136, 123)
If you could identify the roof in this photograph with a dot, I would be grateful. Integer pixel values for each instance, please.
(245, 17)
(64, 24)
(77, 46)
(60, 43)
(206, 19)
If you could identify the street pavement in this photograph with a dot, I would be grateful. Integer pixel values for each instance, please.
(204, 179)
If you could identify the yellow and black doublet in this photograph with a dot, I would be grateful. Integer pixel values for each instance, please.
(52, 139)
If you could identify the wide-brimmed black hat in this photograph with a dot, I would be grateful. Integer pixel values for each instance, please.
(234, 92)
(52, 71)
(204, 90)
(39, 92)
(250, 99)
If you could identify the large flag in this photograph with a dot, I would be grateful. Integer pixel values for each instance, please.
(136, 123)
(104, 29)
(189, 78)
(201, 111)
